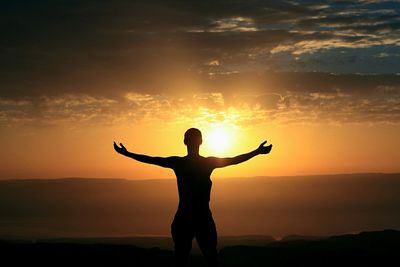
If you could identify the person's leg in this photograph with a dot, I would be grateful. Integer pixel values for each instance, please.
(182, 237)
(206, 237)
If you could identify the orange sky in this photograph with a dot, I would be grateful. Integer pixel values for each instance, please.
(86, 150)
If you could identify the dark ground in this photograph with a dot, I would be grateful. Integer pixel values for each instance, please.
(380, 248)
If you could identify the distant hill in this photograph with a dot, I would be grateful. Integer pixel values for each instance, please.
(379, 248)
(300, 237)
(365, 249)
(307, 206)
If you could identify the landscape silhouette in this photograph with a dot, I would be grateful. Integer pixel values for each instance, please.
(102, 222)
(377, 248)
(193, 218)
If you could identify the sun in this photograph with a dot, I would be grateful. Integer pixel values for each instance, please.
(219, 139)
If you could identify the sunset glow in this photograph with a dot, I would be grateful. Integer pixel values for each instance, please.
(219, 139)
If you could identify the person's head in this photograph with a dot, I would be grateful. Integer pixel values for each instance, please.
(193, 137)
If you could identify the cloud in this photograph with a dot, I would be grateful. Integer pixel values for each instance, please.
(288, 98)
(86, 47)
(233, 24)
(245, 61)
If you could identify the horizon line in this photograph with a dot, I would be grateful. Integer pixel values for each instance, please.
(274, 237)
(158, 179)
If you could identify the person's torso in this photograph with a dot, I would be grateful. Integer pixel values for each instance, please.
(194, 183)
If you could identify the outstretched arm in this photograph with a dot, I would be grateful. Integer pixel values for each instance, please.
(160, 161)
(223, 162)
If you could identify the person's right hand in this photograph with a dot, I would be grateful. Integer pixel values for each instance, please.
(121, 150)
(264, 149)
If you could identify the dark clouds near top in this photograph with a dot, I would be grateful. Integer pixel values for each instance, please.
(109, 48)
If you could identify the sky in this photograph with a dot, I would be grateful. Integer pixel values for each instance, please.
(320, 80)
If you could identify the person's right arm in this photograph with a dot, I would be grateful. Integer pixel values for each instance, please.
(159, 161)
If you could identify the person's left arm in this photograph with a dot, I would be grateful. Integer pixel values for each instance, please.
(223, 162)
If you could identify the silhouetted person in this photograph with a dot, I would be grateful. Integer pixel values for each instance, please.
(193, 217)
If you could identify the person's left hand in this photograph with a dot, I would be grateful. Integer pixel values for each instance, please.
(264, 149)
(121, 150)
